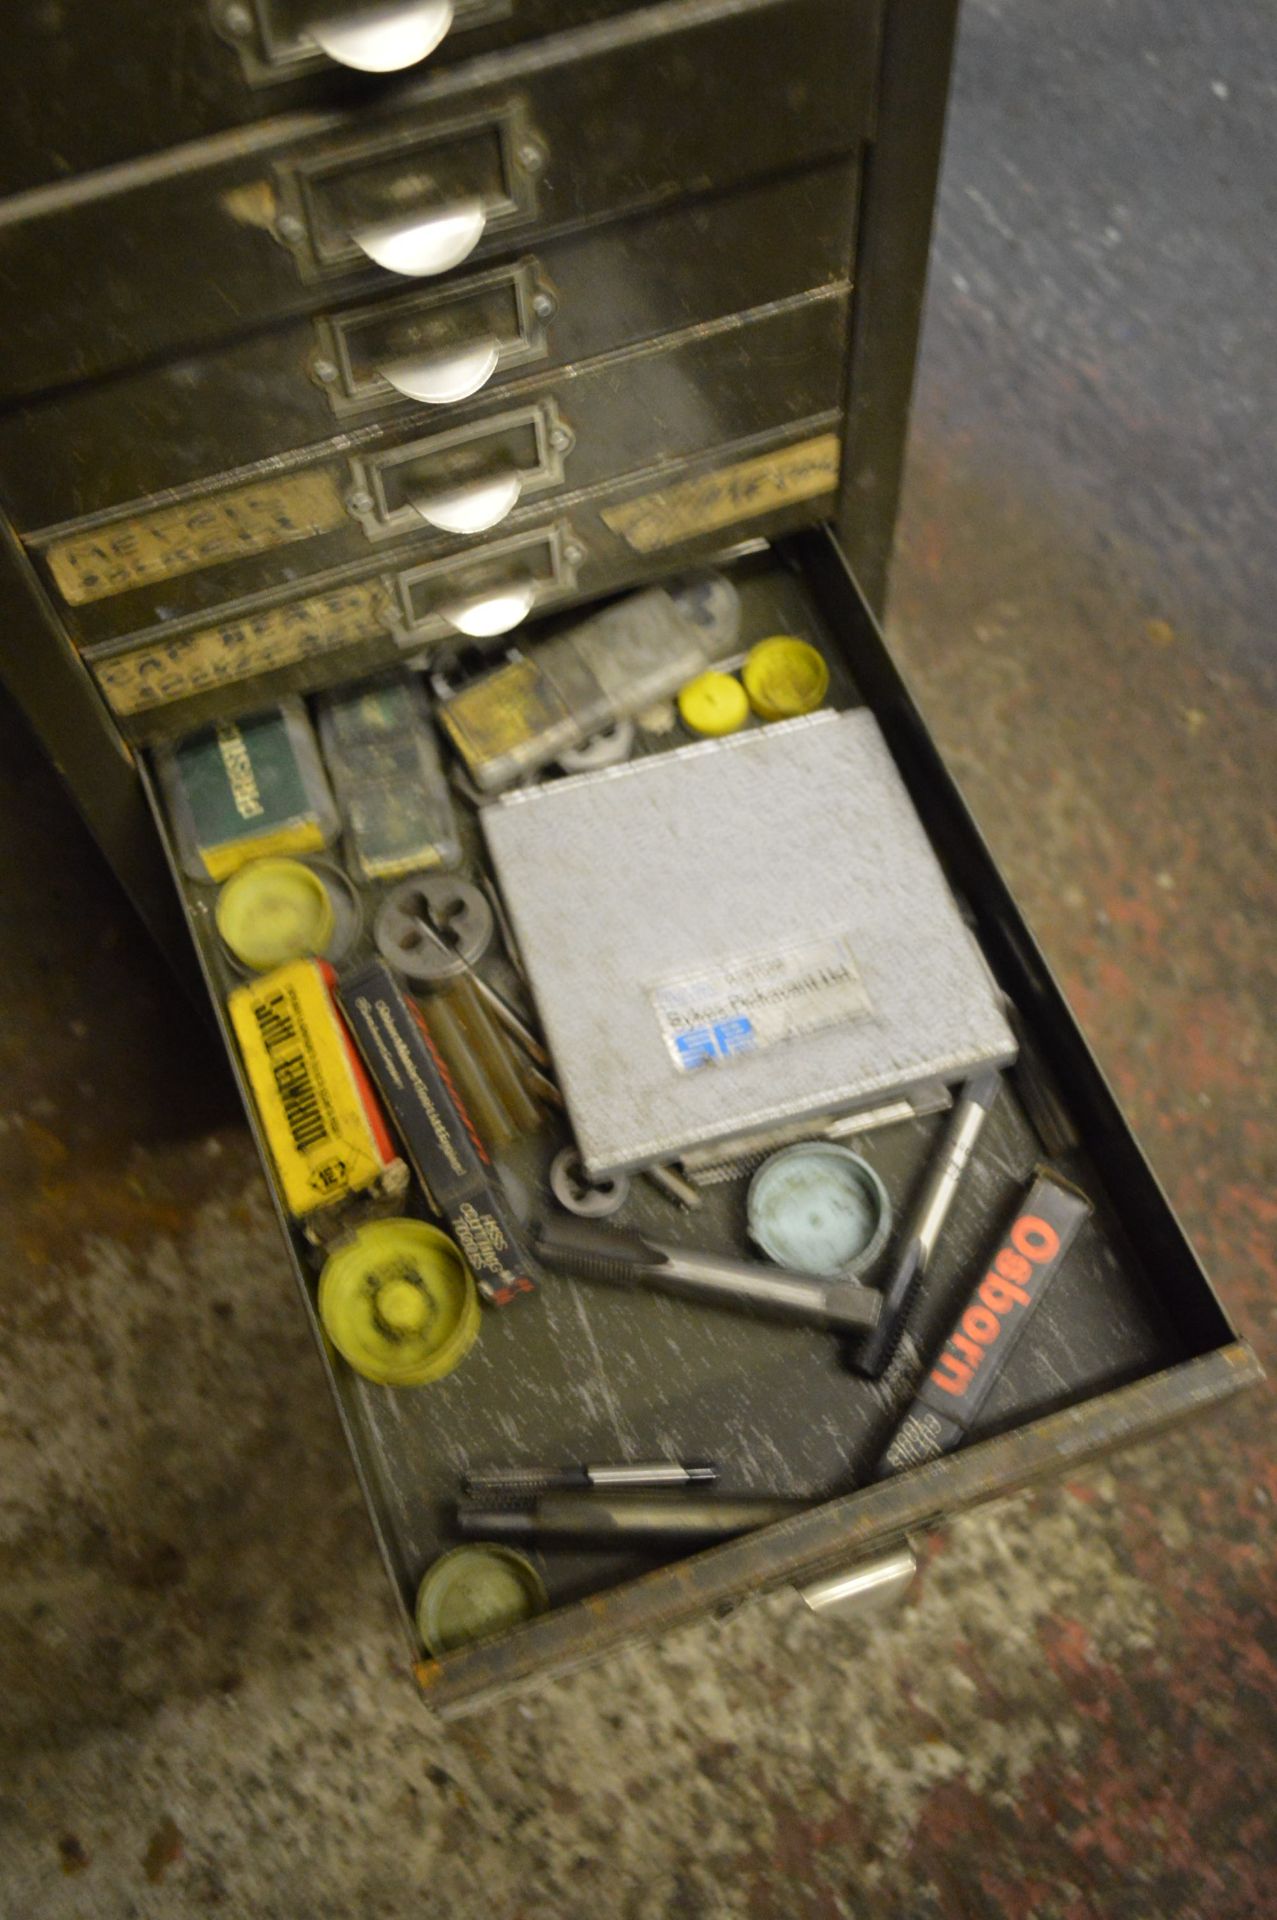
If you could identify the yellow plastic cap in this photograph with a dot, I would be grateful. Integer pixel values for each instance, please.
(399, 1303)
(785, 677)
(273, 911)
(713, 703)
(474, 1592)
(402, 1307)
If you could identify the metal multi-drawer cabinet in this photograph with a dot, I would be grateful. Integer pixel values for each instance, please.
(690, 339)
(407, 492)
(452, 345)
(485, 159)
(195, 68)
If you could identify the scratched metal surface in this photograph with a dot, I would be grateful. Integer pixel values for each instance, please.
(583, 1371)
(686, 868)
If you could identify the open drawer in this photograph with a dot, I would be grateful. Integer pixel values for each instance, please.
(1129, 1339)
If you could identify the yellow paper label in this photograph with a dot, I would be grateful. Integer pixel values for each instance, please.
(192, 663)
(294, 1053)
(499, 715)
(173, 540)
(716, 500)
(221, 862)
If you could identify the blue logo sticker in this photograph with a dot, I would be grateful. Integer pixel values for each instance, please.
(703, 1046)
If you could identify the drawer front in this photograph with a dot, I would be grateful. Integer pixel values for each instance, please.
(174, 678)
(85, 451)
(428, 488)
(202, 244)
(281, 40)
(197, 67)
(1131, 1337)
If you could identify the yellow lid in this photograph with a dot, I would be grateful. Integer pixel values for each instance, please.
(399, 1303)
(713, 703)
(476, 1591)
(785, 677)
(274, 911)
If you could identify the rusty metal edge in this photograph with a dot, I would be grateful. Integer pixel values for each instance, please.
(830, 1536)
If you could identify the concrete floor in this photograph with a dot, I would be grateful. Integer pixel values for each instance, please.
(1077, 1715)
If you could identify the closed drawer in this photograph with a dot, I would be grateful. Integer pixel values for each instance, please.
(1130, 1339)
(87, 450)
(133, 77)
(430, 488)
(172, 679)
(203, 243)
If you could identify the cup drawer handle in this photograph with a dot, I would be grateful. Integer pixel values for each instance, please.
(442, 378)
(473, 507)
(384, 39)
(493, 613)
(424, 243)
(872, 1587)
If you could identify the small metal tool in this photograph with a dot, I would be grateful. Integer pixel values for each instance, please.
(471, 1074)
(513, 1022)
(620, 1517)
(492, 894)
(484, 1062)
(448, 918)
(930, 1213)
(542, 1086)
(433, 928)
(589, 1199)
(672, 1184)
(592, 1252)
(526, 1481)
(732, 1160)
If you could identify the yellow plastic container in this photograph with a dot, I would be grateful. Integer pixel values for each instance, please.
(474, 1592)
(274, 911)
(714, 703)
(326, 1134)
(399, 1303)
(785, 677)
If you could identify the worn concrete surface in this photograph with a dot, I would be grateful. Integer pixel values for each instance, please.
(199, 1679)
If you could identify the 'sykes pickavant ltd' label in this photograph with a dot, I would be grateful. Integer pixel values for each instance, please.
(742, 1006)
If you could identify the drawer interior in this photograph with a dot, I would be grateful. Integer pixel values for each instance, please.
(581, 1372)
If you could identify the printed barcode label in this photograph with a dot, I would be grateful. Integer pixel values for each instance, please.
(746, 1005)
